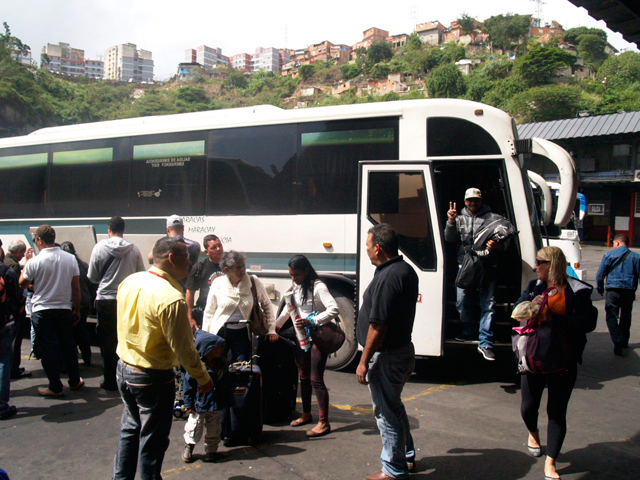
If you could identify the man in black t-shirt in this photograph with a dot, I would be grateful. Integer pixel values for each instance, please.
(200, 277)
(385, 322)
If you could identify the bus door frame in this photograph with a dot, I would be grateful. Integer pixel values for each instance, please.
(428, 328)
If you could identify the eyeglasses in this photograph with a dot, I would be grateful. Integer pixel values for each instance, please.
(540, 262)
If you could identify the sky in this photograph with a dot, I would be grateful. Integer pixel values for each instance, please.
(168, 28)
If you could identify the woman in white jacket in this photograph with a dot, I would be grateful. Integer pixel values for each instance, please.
(230, 300)
(311, 295)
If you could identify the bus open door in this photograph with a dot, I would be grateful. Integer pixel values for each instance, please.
(401, 194)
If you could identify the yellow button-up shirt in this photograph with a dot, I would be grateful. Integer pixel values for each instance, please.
(153, 327)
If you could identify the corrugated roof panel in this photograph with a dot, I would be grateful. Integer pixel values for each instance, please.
(630, 124)
(525, 129)
(553, 129)
(591, 127)
(634, 126)
(622, 128)
(581, 126)
(571, 128)
(616, 124)
(609, 119)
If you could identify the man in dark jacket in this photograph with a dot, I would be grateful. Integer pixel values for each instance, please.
(477, 302)
(621, 269)
(10, 299)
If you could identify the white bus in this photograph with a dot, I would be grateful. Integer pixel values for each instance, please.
(274, 183)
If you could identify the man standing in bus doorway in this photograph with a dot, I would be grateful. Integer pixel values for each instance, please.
(200, 278)
(620, 268)
(472, 303)
(385, 323)
(175, 228)
(112, 260)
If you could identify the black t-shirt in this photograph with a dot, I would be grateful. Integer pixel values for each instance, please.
(390, 300)
(200, 277)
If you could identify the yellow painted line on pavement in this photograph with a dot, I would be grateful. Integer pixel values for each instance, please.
(178, 471)
(357, 409)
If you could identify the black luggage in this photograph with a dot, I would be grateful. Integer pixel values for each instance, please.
(279, 368)
(242, 415)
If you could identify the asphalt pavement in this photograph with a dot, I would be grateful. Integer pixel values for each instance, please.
(464, 414)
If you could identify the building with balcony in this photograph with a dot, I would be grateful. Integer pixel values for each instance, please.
(242, 62)
(128, 63)
(206, 56)
(267, 59)
(64, 59)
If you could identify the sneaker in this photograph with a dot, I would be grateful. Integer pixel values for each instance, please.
(47, 392)
(187, 455)
(211, 457)
(78, 386)
(9, 412)
(487, 353)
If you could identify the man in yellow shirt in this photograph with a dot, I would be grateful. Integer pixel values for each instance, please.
(154, 336)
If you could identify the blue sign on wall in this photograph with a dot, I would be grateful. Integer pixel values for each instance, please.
(595, 209)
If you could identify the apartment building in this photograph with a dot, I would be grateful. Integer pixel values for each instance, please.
(128, 63)
(397, 41)
(242, 62)
(455, 34)
(548, 30)
(431, 33)
(369, 36)
(266, 59)
(94, 68)
(205, 56)
(62, 58)
(23, 57)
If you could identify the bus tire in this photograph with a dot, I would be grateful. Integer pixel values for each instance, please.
(345, 355)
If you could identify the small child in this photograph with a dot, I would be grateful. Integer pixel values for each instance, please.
(205, 409)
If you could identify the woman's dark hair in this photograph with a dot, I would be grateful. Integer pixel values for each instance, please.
(300, 262)
(69, 248)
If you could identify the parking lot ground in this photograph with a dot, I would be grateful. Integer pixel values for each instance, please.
(464, 414)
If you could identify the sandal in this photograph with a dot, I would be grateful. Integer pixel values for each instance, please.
(318, 433)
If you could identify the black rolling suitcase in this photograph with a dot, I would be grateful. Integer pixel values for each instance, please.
(242, 416)
(279, 368)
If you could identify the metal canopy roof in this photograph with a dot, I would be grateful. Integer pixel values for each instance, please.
(600, 125)
(620, 15)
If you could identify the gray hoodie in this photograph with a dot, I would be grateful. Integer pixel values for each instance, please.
(127, 260)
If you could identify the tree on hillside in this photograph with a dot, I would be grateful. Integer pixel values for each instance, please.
(506, 31)
(590, 43)
(467, 23)
(537, 67)
(349, 71)
(571, 35)
(620, 71)
(550, 102)
(413, 42)
(306, 71)
(495, 69)
(446, 81)
(236, 79)
(379, 51)
(502, 91)
(452, 52)
(620, 100)
(380, 70)
(13, 44)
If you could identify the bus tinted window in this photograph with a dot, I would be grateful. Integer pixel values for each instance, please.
(252, 170)
(400, 200)
(447, 136)
(168, 174)
(23, 176)
(88, 179)
(328, 160)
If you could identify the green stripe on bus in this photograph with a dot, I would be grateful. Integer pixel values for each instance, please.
(169, 150)
(321, 261)
(24, 161)
(348, 137)
(80, 157)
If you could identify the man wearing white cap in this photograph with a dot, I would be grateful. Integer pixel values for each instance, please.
(474, 303)
(175, 228)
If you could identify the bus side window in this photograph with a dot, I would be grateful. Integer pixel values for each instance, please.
(23, 173)
(400, 200)
(450, 137)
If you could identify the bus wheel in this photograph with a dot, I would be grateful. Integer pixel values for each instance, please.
(343, 357)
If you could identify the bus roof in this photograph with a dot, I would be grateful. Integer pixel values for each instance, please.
(250, 116)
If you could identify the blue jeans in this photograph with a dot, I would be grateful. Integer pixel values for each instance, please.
(6, 343)
(470, 303)
(145, 423)
(388, 372)
(49, 325)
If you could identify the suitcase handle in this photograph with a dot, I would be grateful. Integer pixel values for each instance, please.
(242, 322)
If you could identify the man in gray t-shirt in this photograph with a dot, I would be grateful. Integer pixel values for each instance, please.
(56, 281)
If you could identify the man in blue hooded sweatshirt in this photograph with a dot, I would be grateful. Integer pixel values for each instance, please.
(205, 409)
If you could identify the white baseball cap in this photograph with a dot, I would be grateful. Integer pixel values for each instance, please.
(175, 221)
(472, 193)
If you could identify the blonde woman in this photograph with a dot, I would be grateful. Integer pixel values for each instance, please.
(569, 308)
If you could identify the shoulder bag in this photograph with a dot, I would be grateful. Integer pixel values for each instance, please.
(328, 337)
(257, 317)
(537, 346)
